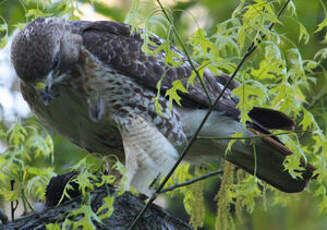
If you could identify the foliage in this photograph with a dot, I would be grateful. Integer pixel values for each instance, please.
(286, 73)
(27, 163)
(91, 175)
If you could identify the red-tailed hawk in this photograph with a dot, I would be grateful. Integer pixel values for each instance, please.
(97, 89)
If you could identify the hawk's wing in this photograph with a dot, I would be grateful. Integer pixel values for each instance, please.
(115, 46)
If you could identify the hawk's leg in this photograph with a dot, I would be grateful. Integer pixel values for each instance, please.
(148, 152)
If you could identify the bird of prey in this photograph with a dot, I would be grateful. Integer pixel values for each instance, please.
(92, 83)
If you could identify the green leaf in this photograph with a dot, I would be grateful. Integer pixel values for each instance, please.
(272, 66)
(16, 135)
(39, 145)
(292, 163)
(254, 20)
(171, 57)
(181, 175)
(249, 95)
(35, 13)
(202, 45)
(157, 99)
(133, 14)
(106, 210)
(65, 194)
(173, 95)
(232, 141)
(239, 9)
(88, 216)
(249, 191)
(285, 98)
(304, 35)
(322, 25)
(307, 121)
(226, 36)
(53, 226)
(84, 181)
(321, 54)
(106, 179)
(200, 70)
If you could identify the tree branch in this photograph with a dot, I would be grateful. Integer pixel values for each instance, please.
(252, 137)
(126, 207)
(218, 172)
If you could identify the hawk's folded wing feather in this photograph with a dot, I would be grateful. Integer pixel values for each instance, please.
(114, 45)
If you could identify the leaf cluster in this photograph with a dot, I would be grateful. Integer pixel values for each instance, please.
(27, 163)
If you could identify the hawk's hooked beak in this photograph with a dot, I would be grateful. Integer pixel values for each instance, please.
(45, 87)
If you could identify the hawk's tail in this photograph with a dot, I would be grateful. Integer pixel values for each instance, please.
(263, 156)
(266, 161)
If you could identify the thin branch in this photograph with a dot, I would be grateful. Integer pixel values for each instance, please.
(25, 201)
(194, 137)
(12, 183)
(252, 137)
(218, 172)
(185, 51)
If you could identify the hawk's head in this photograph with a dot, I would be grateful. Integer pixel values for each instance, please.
(43, 52)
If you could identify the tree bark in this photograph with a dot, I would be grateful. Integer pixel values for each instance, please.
(126, 207)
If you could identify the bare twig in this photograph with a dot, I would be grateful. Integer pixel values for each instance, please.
(252, 137)
(251, 49)
(218, 172)
(12, 182)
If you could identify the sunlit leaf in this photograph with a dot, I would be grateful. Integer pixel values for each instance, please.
(173, 94)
